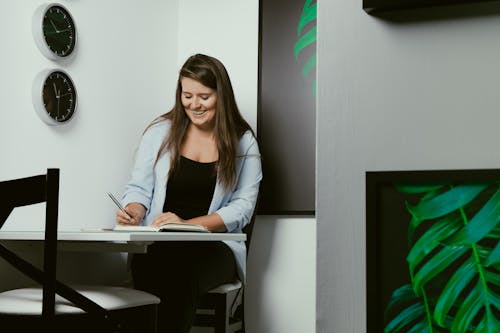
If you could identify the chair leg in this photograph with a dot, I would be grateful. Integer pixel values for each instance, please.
(221, 320)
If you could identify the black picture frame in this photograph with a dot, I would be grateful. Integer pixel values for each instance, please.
(380, 6)
(384, 206)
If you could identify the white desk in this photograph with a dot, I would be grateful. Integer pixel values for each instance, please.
(112, 241)
(123, 236)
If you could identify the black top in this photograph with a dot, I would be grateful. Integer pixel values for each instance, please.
(190, 189)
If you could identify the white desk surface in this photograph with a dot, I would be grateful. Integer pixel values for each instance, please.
(122, 236)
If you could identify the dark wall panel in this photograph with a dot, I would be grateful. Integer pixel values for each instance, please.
(287, 108)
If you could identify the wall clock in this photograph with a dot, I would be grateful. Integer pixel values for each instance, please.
(54, 31)
(54, 96)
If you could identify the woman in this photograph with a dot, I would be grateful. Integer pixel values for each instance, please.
(200, 164)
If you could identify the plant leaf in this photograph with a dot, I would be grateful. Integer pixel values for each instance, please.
(405, 317)
(480, 225)
(467, 311)
(306, 39)
(454, 263)
(431, 239)
(437, 264)
(479, 298)
(416, 189)
(412, 310)
(452, 291)
(488, 327)
(309, 66)
(415, 221)
(494, 257)
(420, 327)
(447, 202)
(412, 316)
(400, 295)
(308, 15)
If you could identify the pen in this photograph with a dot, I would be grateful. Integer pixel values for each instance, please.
(119, 205)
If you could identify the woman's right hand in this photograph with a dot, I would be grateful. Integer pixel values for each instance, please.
(135, 211)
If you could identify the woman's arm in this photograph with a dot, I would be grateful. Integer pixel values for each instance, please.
(237, 208)
(213, 222)
(140, 187)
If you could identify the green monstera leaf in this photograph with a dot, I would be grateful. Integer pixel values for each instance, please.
(454, 257)
(412, 313)
(307, 38)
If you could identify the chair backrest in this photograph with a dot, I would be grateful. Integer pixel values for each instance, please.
(248, 229)
(29, 191)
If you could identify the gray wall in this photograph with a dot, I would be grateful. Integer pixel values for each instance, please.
(419, 91)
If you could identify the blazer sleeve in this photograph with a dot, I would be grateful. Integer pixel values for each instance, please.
(140, 187)
(237, 210)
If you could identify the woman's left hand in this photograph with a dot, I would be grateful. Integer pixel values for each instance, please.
(164, 218)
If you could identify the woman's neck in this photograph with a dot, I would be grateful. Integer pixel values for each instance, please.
(201, 132)
(200, 145)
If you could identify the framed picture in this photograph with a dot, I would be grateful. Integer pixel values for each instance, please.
(374, 6)
(287, 106)
(433, 253)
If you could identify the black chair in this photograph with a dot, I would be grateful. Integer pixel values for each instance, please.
(55, 306)
(223, 307)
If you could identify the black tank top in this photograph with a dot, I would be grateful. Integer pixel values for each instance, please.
(190, 189)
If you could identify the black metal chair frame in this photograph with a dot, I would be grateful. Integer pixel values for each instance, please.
(33, 190)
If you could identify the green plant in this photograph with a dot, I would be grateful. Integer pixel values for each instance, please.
(307, 38)
(453, 261)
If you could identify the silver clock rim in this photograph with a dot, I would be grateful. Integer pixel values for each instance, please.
(37, 96)
(37, 30)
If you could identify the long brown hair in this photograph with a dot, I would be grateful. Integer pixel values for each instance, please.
(229, 124)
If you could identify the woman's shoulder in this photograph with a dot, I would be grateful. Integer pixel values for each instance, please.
(155, 133)
(158, 127)
(248, 144)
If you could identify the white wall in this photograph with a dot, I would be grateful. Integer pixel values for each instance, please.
(280, 296)
(417, 94)
(233, 39)
(125, 67)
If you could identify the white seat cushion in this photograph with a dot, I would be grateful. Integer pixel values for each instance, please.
(28, 301)
(224, 288)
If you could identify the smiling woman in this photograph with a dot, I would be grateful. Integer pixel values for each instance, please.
(198, 164)
(200, 102)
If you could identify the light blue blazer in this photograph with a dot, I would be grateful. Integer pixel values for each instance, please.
(148, 183)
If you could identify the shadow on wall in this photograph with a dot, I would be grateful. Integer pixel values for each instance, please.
(258, 265)
(440, 13)
(11, 278)
(73, 267)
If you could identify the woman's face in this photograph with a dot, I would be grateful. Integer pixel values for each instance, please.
(199, 103)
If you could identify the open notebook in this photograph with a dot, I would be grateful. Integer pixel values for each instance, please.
(169, 227)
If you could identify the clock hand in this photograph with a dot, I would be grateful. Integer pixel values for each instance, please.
(54, 26)
(55, 90)
(58, 100)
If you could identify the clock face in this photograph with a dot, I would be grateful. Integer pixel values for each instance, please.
(58, 97)
(59, 30)
(54, 31)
